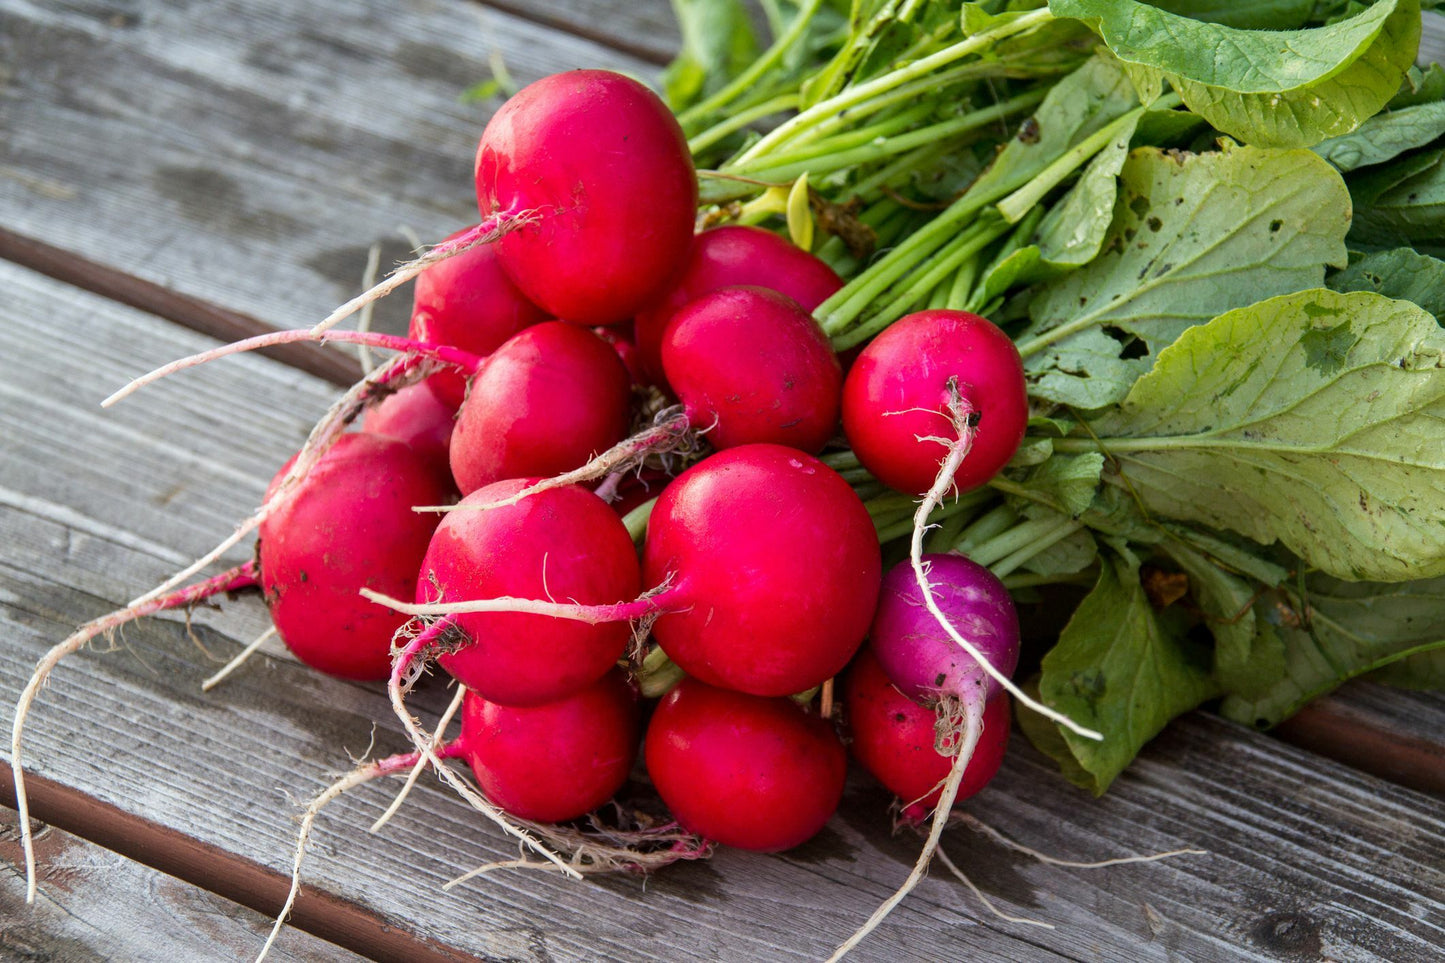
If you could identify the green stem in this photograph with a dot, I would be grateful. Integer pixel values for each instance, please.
(658, 674)
(904, 526)
(1008, 487)
(832, 154)
(987, 527)
(978, 236)
(635, 521)
(1018, 537)
(958, 291)
(1047, 540)
(1020, 580)
(854, 96)
(1017, 204)
(740, 120)
(746, 80)
(838, 311)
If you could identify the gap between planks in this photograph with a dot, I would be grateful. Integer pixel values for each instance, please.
(184, 310)
(225, 874)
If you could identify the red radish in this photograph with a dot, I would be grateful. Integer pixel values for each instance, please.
(546, 400)
(565, 545)
(774, 568)
(726, 257)
(369, 481)
(895, 738)
(556, 761)
(937, 403)
(468, 302)
(621, 339)
(743, 770)
(911, 620)
(923, 384)
(349, 526)
(416, 415)
(915, 652)
(592, 174)
(543, 403)
(751, 366)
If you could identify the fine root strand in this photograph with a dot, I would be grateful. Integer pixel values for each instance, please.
(362, 774)
(251, 649)
(405, 671)
(958, 448)
(978, 825)
(421, 762)
(671, 433)
(972, 730)
(988, 904)
(241, 577)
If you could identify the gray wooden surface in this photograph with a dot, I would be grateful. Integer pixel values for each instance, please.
(97, 906)
(247, 154)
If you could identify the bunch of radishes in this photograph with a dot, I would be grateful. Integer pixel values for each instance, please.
(760, 573)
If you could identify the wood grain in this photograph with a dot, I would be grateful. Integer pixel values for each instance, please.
(248, 154)
(646, 29)
(1304, 853)
(1395, 734)
(97, 905)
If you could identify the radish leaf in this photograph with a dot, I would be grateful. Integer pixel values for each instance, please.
(1122, 669)
(1193, 235)
(1312, 418)
(1334, 631)
(1290, 88)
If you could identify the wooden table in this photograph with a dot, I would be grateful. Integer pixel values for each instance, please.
(172, 171)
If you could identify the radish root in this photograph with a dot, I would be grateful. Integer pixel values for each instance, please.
(486, 232)
(362, 774)
(972, 731)
(671, 433)
(241, 577)
(406, 669)
(988, 904)
(576, 852)
(964, 423)
(250, 650)
(978, 825)
(421, 761)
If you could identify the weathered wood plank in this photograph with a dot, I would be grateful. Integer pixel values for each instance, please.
(249, 154)
(1396, 734)
(645, 29)
(1301, 849)
(97, 905)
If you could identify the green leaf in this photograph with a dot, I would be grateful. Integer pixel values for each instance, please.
(1400, 273)
(1248, 15)
(1289, 88)
(1082, 103)
(717, 44)
(1423, 670)
(1049, 739)
(1385, 136)
(1082, 371)
(1192, 236)
(1120, 668)
(1312, 418)
(1404, 205)
(1246, 661)
(1069, 480)
(1072, 232)
(1338, 630)
(1421, 87)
